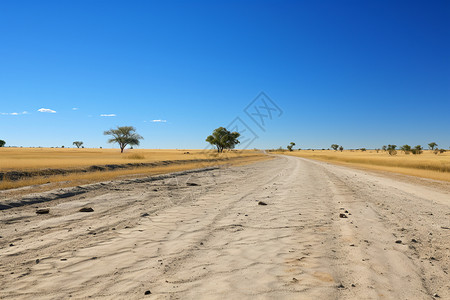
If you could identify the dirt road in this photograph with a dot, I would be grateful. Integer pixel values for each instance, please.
(326, 232)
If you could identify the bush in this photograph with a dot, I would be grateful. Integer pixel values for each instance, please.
(391, 149)
(135, 156)
(417, 150)
(439, 151)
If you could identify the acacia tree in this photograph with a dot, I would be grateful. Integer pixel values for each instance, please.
(341, 148)
(406, 148)
(290, 146)
(417, 150)
(391, 149)
(77, 143)
(223, 139)
(335, 147)
(124, 135)
(432, 145)
(2, 143)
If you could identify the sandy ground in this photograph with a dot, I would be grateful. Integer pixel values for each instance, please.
(203, 235)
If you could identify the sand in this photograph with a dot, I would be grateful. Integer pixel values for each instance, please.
(327, 232)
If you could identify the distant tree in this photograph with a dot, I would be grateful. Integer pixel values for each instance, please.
(417, 150)
(432, 145)
(363, 149)
(334, 147)
(391, 149)
(2, 143)
(384, 148)
(223, 139)
(62, 146)
(341, 148)
(377, 149)
(292, 144)
(77, 143)
(406, 149)
(124, 135)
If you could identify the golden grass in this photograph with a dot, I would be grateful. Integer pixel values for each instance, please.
(31, 159)
(40, 158)
(427, 165)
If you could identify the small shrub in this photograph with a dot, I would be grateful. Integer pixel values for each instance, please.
(135, 156)
(417, 150)
(391, 149)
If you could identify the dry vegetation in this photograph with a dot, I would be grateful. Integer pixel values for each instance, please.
(428, 164)
(32, 159)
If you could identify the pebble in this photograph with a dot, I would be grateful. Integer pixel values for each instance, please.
(262, 203)
(343, 216)
(42, 211)
(147, 292)
(398, 241)
(86, 209)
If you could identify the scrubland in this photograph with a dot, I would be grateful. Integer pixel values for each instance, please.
(78, 161)
(427, 164)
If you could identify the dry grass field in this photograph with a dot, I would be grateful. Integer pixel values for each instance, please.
(35, 159)
(427, 164)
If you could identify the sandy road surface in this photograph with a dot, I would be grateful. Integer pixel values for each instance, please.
(213, 241)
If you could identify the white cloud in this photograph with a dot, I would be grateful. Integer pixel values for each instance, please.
(46, 110)
(75, 108)
(107, 115)
(15, 113)
(159, 121)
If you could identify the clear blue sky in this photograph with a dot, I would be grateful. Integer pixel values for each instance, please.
(356, 73)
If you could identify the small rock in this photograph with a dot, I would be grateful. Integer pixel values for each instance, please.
(37, 261)
(201, 243)
(42, 211)
(86, 209)
(262, 203)
(353, 285)
(11, 244)
(414, 240)
(192, 184)
(343, 216)
(346, 211)
(155, 190)
(294, 279)
(246, 215)
(341, 286)
(145, 215)
(147, 292)
(436, 295)
(398, 241)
